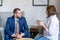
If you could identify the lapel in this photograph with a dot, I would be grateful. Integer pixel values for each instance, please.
(13, 22)
(20, 22)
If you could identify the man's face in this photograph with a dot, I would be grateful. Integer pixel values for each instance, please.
(19, 14)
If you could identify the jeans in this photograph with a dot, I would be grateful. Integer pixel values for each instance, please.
(40, 37)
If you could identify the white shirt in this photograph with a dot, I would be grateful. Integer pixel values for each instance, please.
(53, 28)
(15, 26)
(16, 19)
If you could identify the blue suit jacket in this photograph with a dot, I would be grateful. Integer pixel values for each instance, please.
(10, 27)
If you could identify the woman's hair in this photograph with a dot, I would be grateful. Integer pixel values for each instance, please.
(51, 10)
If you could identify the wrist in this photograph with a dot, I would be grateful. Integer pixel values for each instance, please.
(13, 35)
(22, 34)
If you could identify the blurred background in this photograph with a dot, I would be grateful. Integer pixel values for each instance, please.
(32, 13)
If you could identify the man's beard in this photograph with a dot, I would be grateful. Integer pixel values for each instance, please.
(17, 17)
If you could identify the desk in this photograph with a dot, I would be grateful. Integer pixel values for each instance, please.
(25, 39)
(33, 31)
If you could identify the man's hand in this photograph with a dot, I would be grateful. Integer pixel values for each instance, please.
(19, 35)
(14, 35)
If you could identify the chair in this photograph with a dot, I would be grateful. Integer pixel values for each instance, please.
(2, 32)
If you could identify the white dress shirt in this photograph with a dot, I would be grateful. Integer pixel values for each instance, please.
(53, 28)
(15, 26)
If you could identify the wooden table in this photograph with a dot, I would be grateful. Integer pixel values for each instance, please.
(25, 39)
(34, 31)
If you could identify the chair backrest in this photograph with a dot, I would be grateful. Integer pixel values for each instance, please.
(4, 16)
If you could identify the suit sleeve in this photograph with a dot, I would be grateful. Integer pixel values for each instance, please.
(26, 29)
(7, 28)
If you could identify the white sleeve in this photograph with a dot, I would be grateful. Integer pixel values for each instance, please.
(53, 27)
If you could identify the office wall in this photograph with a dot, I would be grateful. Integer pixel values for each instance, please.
(32, 13)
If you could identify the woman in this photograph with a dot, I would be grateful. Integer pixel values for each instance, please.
(52, 27)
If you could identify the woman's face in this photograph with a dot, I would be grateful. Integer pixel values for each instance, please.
(46, 12)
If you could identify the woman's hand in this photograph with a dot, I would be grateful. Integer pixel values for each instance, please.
(41, 23)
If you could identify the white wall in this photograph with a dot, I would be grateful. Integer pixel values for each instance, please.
(32, 13)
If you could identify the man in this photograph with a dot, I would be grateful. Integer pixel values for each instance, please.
(16, 26)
